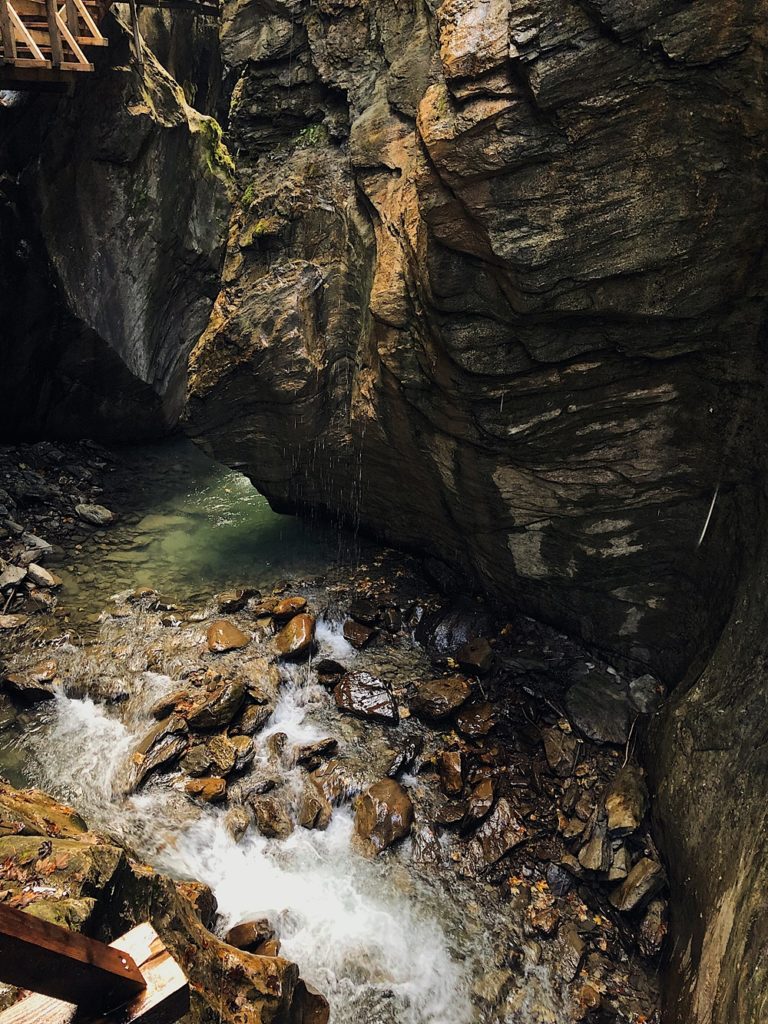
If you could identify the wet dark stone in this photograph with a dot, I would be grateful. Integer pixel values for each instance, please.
(366, 696)
(438, 698)
(475, 657)
(559, 880)
(599, 706)
(446, 630)
(358, 634)
(365, 611)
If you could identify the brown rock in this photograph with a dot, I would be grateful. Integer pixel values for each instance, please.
(329, 672)
(237, 821)
(309, 1006)
(311, 755)
(250, 934)
(160, 747)
(225, 636)
(33, 684)
(235, 600)
(643, 882)
(366, 696)
(626, 801)
(475, 657)
(451, 772)
(383, 815)
(272, 818)
(476, 719)
(501, 832)
(210, 789)
(288, 607)
(218, 704)
(358, 634)
(596, 853)
(479, 803)
(451, 813)
(653, 929)
(314, 809)
(270, 947)
(254, 718)
(438, 698)
(223, 753)
(296, 637)
(562, 751)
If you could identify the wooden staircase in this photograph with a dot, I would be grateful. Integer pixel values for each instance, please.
(45, 41)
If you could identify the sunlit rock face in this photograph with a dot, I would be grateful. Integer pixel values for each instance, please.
(493, 289)
(113, 209)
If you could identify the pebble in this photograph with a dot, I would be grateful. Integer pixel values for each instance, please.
(225, 636)
(96, 515)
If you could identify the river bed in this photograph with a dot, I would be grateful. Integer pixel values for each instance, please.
(414, 936)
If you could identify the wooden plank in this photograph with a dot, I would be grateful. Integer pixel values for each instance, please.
(22, 34)
(71, 41)
(64, 964)
(164, 1000)
(8, 35)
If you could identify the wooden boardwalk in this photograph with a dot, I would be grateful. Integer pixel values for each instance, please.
(47, 41)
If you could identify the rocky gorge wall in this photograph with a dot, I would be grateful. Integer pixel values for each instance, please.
(494, 289)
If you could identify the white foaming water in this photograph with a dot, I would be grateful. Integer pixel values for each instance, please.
(360, 930)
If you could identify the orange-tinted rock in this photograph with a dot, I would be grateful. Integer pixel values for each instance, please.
(296, 637)
(210, 790)
(450, 769)
(476, 719)
(437, 698)
(384, 814)
(366, 696)
(250, 934)
(289, 606)
(225, 636)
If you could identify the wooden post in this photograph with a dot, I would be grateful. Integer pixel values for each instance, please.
(57, 53)
(73, 19)
(136, 34)
(9, 37)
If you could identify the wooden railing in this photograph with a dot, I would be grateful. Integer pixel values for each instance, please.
(69, 977)
(42, 36)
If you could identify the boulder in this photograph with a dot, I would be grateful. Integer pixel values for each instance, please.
(250, 934)
(501, 832)
(210, 789)
(364, 610)
(600, 708)
(437, 698)
(160, 747)
(11, 575)
(367, 696)
(95, 515)
(287, 607)
(33, 684)
(253, 719)
(475, 657)
(309, 1006)
(237, 822)
(476, 719)
(383, 815)
(223, 635)
(218, 704)
(271, 817)
(358, 634)
(314, 810)
(295, 639)
(41, 577)
(644, 881)
(479, 802)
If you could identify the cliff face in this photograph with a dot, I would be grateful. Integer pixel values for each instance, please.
(113, 208)
(494, 289)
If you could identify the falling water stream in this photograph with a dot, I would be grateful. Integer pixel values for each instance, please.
(389, 941)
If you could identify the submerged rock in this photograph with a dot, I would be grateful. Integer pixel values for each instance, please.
(95, 515)
(225, 636)
(438, 698)
(383, 814)
(296, 638)
(33, 684)
(161, 746)
(365, 695)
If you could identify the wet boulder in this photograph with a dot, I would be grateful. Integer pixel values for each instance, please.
(445, 631)
(250, 934)
(329, 672)
(271, 817)
(223, 635)
(309, 1006)
(253, 719)
(311, 755)
(314, 810)
(40, 576)
(31, 812)
(295, 639)
(383, 815)
(218, 704)
(34, 684)
(437, 698)
(235, 600)
(476, 719)
(358, 634)
(479, 803)
(210, 789)
(161, 746)
(287, 607)
(237, 821)
(599, 706)
(367, 696)
(501, 832)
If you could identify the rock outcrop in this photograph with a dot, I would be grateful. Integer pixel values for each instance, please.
(494, 288)
(113, 225)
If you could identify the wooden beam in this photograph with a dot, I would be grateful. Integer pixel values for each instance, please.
(66, 965)
(8, 35)
(164, 1000)
(72, 42)
(24, 36)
